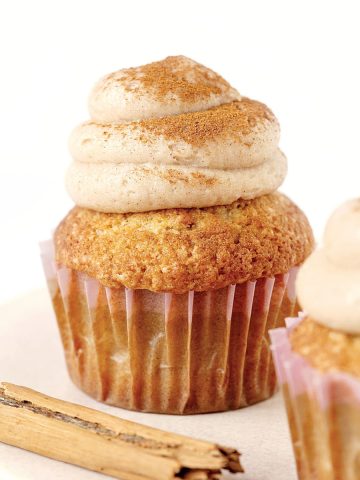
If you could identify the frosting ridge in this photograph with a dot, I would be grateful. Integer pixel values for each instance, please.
(155, 129)
(168, 87)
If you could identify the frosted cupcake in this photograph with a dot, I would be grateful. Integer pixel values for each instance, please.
(179, 255)
(318, 356)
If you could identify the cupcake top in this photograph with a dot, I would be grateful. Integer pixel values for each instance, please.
(172, 134)
(177, 250)
(328, 284)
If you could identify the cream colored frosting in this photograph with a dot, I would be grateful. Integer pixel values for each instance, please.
(97, 143)
(328, 283)
(151, 187)
(127, 160)
(122, 96)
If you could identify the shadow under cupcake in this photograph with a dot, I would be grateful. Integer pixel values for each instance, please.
(179, 256)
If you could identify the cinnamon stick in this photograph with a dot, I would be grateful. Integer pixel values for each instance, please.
(103, 443)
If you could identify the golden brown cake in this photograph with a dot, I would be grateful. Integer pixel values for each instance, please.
(186, 249)
(326, 349)
(318, 358)
(179, 254)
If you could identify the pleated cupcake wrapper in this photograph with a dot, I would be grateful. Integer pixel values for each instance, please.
(173, 353)
(300, 377)
(323, 412)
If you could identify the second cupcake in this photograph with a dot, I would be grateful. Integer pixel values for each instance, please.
(318, 355)
(179, 255)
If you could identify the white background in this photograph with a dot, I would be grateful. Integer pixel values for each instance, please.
(299, 57)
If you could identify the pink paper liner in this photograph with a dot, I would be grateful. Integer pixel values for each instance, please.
(323, 411)
(209, 351)
(295, 371)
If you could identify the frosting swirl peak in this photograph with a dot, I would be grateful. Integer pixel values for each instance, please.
(168, 87)
(328, 284)
(172, 134)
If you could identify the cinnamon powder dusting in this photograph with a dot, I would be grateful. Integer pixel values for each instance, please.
(234, 120)
(174, 176)
(175, 78)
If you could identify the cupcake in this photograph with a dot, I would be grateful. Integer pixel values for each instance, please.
(179, 254)
(318, 356)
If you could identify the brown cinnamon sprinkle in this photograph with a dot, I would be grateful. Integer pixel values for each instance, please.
(174, 176)
(172, 79)
(233, 120)
(197, 128)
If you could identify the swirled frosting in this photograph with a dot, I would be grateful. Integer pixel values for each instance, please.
(172, 134)
(328, 283)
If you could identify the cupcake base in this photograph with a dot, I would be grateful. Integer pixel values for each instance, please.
(323, 412)
(169, 353)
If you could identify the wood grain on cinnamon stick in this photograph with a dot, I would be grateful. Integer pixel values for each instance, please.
(104, 443)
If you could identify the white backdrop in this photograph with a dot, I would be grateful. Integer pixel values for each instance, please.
(301, 58)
